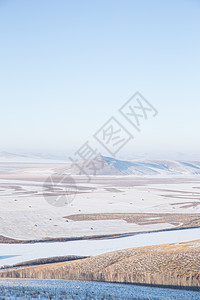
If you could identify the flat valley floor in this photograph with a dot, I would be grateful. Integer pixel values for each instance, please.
(104, 206)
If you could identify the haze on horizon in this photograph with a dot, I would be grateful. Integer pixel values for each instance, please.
(67, 67)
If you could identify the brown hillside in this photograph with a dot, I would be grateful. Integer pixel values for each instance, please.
(171, 264)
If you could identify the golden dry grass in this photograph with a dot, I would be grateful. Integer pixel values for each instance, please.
(170, 264)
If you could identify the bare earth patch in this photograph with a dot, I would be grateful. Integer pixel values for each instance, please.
(178, 220)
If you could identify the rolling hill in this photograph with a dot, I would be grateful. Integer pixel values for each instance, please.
(103, 165)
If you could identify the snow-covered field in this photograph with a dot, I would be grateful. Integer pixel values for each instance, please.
(59, 290)
(25, 213)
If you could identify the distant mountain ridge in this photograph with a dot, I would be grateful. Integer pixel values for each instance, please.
(104, 165)
(110, 166)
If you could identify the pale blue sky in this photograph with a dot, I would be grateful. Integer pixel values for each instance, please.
(68, 66)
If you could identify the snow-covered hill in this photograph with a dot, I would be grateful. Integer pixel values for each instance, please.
(110, 166)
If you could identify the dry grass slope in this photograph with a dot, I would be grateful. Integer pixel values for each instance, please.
(171, 264)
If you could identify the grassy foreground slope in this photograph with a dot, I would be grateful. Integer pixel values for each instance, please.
(170, 264)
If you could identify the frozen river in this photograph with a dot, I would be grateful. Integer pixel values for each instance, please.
(15, 253)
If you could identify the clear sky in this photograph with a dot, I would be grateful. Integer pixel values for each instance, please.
(66, 67)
